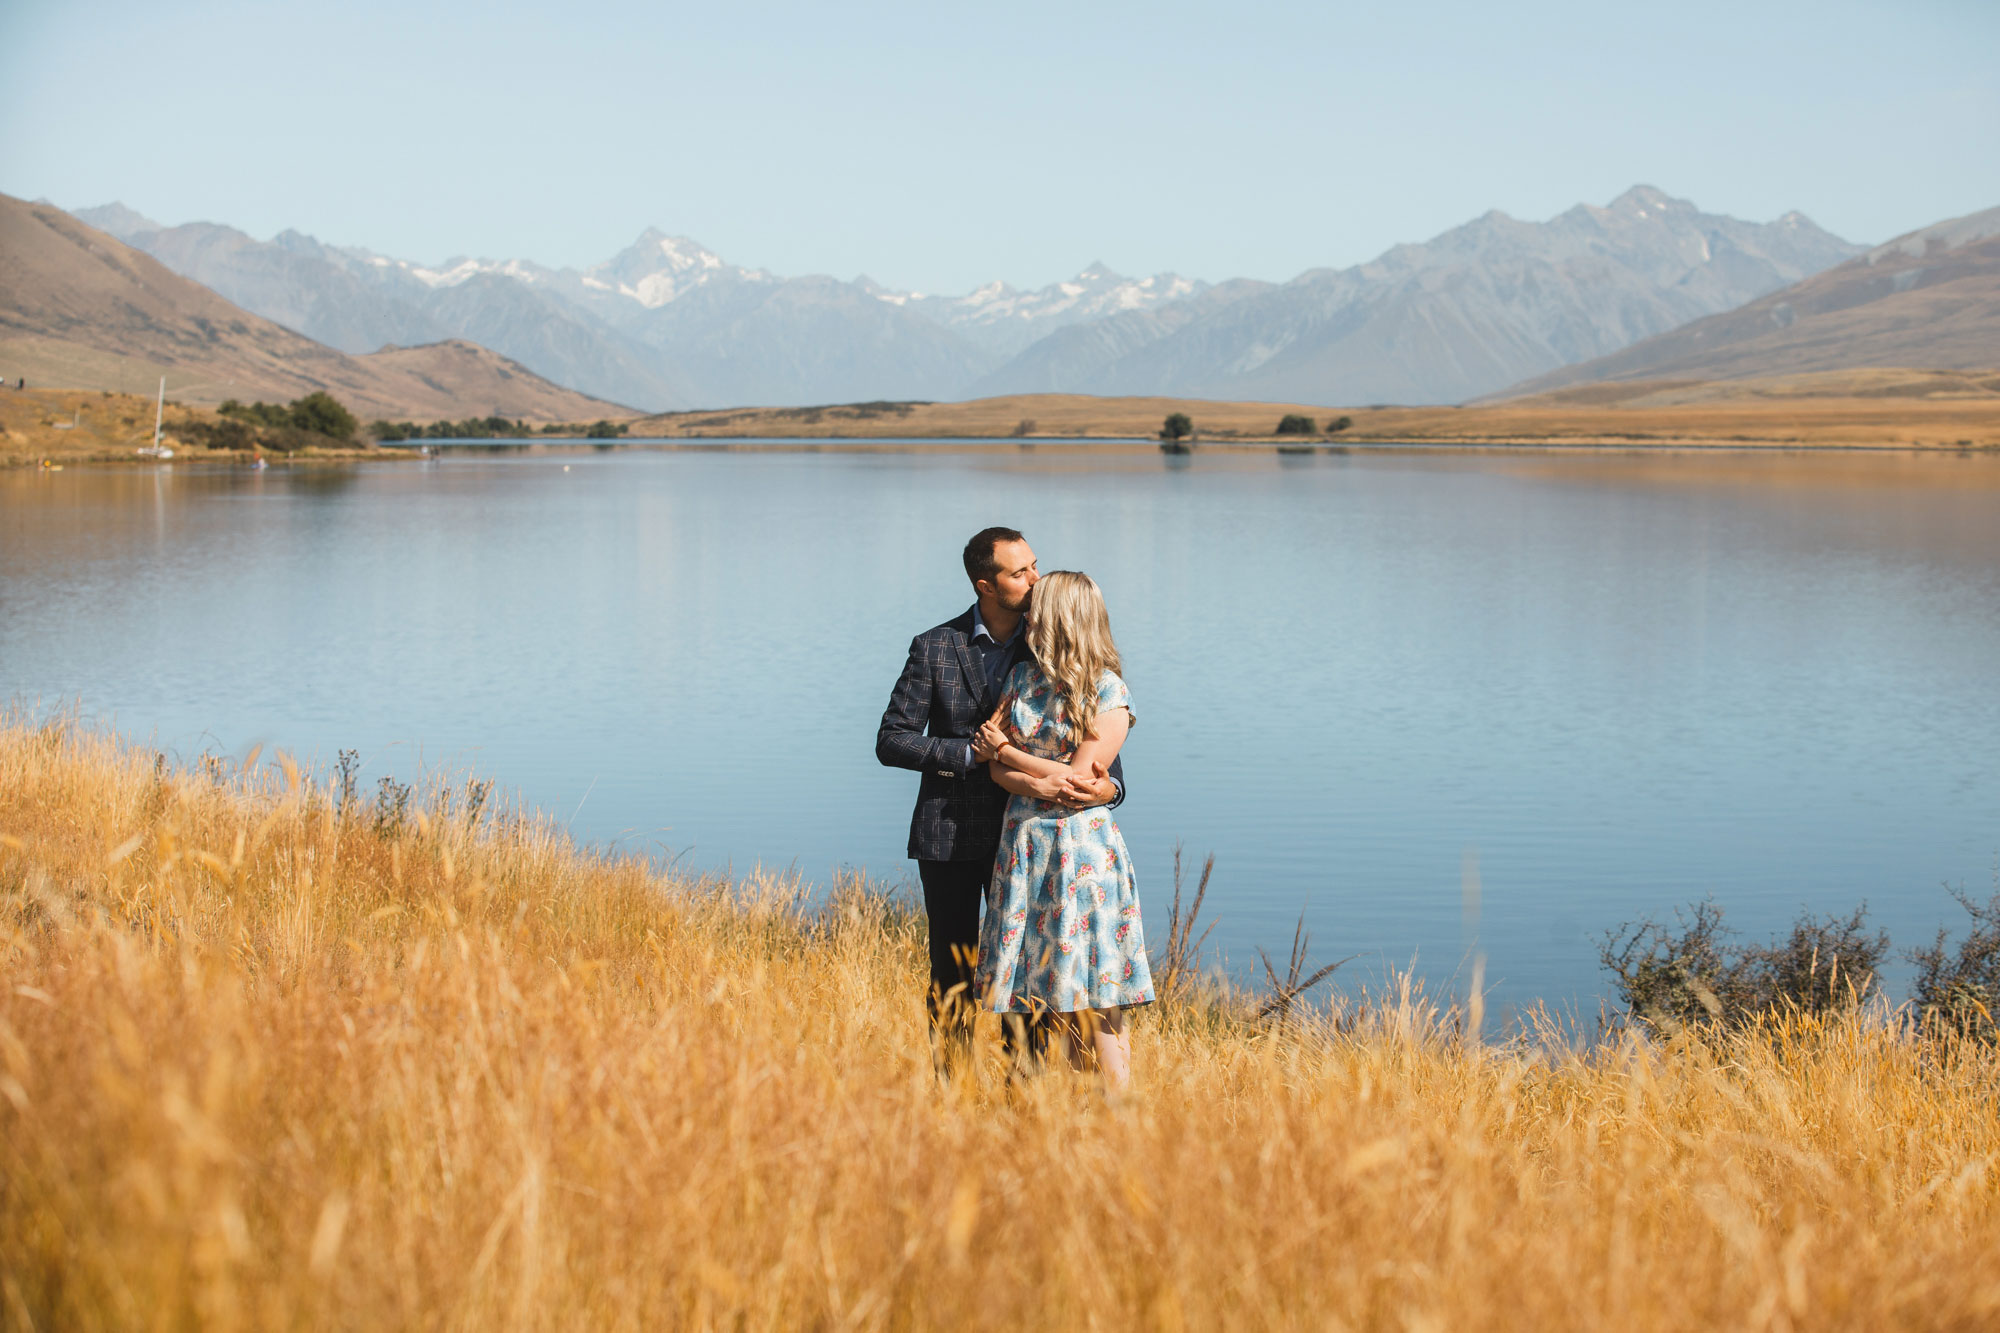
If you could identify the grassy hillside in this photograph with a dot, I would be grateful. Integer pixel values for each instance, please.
(69, 426)
(80, 309)
(1887, 408)
(268, 1059)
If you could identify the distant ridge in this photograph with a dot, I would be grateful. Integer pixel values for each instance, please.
(81, 309)
(1929, 299)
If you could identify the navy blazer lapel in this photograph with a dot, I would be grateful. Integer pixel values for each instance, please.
(975, 678)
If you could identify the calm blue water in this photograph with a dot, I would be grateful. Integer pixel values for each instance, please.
(1602, 686)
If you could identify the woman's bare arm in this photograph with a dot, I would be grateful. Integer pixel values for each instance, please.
(1107, 737)
(1043, 787)
(1102, 747)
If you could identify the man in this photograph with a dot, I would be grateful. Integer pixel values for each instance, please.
(950, 685)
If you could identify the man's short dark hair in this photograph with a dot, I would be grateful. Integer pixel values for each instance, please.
(979, 561)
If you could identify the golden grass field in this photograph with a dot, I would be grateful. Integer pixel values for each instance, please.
(263, 1066)
(1866, 408)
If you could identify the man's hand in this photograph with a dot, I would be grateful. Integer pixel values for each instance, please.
(986, 742)
(1080, 792)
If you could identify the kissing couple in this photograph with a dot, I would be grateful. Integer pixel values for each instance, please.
(1014, 713)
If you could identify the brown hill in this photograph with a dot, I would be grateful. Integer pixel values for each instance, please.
(1931, 298)
(1870, 409)
(83, 310)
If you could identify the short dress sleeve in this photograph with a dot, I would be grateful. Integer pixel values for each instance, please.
(1111, 693)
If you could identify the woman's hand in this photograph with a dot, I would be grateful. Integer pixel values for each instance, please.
(988, 741)
(1052, 787)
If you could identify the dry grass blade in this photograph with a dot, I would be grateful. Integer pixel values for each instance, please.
(1286, 990)
(455, 1072)
(1183, 947)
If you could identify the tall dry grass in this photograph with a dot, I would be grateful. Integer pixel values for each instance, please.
(262, 1066)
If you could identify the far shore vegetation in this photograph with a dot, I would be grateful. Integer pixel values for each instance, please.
(1933, 411)
(492, 428)
(278, 1051)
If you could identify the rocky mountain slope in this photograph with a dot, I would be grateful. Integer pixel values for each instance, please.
(1480, 307)
(82, 309)
(667, 323)
(1928, 299)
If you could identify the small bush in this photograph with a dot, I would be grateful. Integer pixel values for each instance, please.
(1294, 424)
(605, 430)
(1338, 424)
(1960, 987)
(392, 807)
(1670, 979)
(228, 433)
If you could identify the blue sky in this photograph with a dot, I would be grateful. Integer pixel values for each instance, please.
(938, 146)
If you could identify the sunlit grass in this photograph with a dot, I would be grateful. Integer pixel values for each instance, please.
(264, 1066)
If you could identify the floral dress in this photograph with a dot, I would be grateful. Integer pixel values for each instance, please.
(1062, 925)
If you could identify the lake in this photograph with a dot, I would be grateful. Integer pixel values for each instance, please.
(1439, 703)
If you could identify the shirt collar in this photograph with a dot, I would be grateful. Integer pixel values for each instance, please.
(979, 629)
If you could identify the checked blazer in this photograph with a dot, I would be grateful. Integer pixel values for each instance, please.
(939, 701)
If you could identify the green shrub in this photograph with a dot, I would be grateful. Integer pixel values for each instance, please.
(1696, 974)
(1960, 987)
(1294, 424)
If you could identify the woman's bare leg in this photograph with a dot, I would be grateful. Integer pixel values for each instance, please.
(1072, 1032)
(1111, 1042)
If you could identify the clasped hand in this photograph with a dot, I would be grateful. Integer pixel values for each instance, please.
(1076, 790)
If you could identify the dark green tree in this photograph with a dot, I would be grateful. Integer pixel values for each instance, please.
(1294, 424)
(1178, 426)
(1338, 424)
(321, 413)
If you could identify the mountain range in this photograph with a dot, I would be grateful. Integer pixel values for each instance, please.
(1929, 299)
(668, 324)
(81, 309)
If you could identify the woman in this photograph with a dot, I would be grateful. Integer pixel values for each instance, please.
(1062, 934)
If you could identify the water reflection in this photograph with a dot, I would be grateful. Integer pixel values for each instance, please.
(1623, 681)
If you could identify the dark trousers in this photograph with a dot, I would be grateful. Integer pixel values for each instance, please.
(953, 892)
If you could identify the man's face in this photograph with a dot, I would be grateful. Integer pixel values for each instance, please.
(1015, 578)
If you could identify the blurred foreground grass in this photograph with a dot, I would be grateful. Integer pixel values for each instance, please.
(269, 1064)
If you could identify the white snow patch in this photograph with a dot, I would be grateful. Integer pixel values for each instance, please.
(654, 290)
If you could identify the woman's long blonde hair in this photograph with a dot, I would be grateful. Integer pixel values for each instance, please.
(1070, 636)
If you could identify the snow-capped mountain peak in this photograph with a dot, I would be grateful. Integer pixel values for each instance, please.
(657, 268)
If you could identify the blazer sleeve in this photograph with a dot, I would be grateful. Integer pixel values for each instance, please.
(900, 741)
